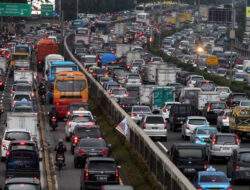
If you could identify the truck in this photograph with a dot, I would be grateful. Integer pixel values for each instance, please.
(121, 50)
(239, 122)
(204, 97)
(82, 34)
(165, 76)
(22, 65)
(44, 48)
(24, 76)
(120, 28)
(149, 74)
(23, 120)
(50, 59)
(132, 55)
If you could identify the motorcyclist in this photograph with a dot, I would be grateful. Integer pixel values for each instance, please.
(53, 112)
(60, 149)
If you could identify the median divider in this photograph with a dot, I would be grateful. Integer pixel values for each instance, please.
(164, 171)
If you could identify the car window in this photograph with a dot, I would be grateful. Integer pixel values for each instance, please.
(222, 90)
(247, 103)
(17, 136)
(119, 91)
(134, 77)
(128, 101)
(214, 179)
(197, 121)
(197, 78)
(154, 120)
(244, 157)
(207, 86)
(240, 96)
(141, 109)
(21, 186)
(21, 155)
(190, 153)
(102, 165)
(218, 105)
(26, 147)
(92, 143)
(24, 88)
(206, 131)
(224, 139)
(81, 119)
(21, 97)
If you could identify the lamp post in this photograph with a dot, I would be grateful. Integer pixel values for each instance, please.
(232, 37)
(77, 9)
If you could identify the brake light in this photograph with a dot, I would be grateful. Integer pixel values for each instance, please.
(1, 83)
(53, 117)
(214, 139)
(122, 106)
(209, 107)
(237, 167)
(39, 62)
(226, 106)
(81, 152)
(68, 113)
(205, 165)
(86, 176)
(165, 125)
(231, 101)
(7, 153)
(11, 91)
(187, 127)
(104, 152)
(94, 74)
(237, 140)
(127, 95)
(133, 114)
(69, 123)
(199, 188)
(197, 138)
(22, 143)
(111, 94)
(32, 94)
(116, 175)
(229, 188)
(76, 140)
(144, 125)
(165, 110)
(225, 117)
(57, 103)
(22, 69)
(100, 138)
(92, 123)
(3, 144)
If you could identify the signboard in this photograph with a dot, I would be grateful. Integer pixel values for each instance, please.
(47, 10)
(15, 9)
(247, 11)
(212, 61)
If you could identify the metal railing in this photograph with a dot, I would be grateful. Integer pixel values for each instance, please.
(165, 172)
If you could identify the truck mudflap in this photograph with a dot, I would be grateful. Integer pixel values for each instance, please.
(22, 173)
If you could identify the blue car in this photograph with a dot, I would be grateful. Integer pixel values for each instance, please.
(206, 180)
(201, 135)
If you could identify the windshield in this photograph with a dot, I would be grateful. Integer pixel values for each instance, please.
(21, 186)
(90, 59)
(128, 101)
(155, 120)
(218, 105)
(102, 165)
(57, 69)
(190, 153)
(88, 132)
(82, 31)
(239, 97)
(22, 97)
(23, 88)
(71, 85)
(142, 109)
(23, 109)
(222, 90)
(19, 57)
(134, 77)
(241, 76)
(22, 49)
(92, 143)
(197, 78)
(197, 121)
(213, 179)
(81, 119)
(119, 91)
(247, 103)
(244, 157)
(207, 86)
(224, 139)
(11, 136)
(221, 71)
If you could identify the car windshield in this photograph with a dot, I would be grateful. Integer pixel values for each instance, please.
(119, 91)
(197, 121)
(79, 107)
(90, 59)
(26, 147)
(156, 59)
(241, 76)
(17, 136)
(239, 97)
(24, 88)
(141, 109)
(247, 103)
(19, 97)
(221, 71)
(207, 86)
(22, 186)
(23, 109)
(168, 107)
(78, 119)
(197, 78)
(92, 143)
(244, 157)
(213, 179)
(128, 101)
(134, 77)
(190, 153)
(206, 131)
(155, 120)
(218, 105)
(224, 139)
(92, 132)
(102, 165)
(222, 90)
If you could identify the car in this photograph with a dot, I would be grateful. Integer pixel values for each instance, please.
(212, 109)
(223, 120)
(84, 131)
(117, 93)
(189, 158)
(78, 118)
(88, 148)
(77, 106)
(165, 109)
(238, 166)
(117, 187)
(192, 79)
(234, 99)
(12, 135)
(211, 180)
(138, 111)
(155, 126)
(221, 145)
(201, 135)
(107, 167)
(24, 182)
(191, 123)
(127, 103)
(223, 91)
(133, 80)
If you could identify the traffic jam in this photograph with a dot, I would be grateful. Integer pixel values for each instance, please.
(202, 127)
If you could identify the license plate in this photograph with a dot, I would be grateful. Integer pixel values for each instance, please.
(189, 170)
(59, 158)
(154, 127)
(226, 148)
(102, 178)
(92, 154)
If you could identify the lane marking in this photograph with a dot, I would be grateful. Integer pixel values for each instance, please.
(162, 146)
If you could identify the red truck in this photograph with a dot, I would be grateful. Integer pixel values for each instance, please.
(44, 48)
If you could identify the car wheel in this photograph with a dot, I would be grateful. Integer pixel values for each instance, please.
(67, 138)
(233, 180)
(210, 159)
(3, 159)
(72, 151)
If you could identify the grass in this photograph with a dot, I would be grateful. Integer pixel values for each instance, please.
(136, 172)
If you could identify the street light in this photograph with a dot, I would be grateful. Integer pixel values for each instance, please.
(77, 9)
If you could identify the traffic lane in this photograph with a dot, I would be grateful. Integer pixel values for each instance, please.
(69, 176)
(220, 165)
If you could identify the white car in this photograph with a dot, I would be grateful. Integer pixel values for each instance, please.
(223, 91)
(11, 135)
(244, 104)
(78, 118)
(223, 120)
(133, 80)
(191, 123)
(192, 79)
(165, 109)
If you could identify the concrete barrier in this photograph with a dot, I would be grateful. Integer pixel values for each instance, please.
(165, 172)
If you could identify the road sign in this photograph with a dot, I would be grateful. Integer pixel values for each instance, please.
(47, 10)
(15, 9)
(212, 61)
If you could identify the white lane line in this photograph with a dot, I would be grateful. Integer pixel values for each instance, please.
(54, 169)
(162, 146)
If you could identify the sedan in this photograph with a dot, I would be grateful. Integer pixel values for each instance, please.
(201, 135)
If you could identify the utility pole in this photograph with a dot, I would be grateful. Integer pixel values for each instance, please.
(77, 9)
(232, 37)
(177, 23)
(199, 15)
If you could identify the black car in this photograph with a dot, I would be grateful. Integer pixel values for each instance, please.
(99, 171)
(212, 110)
(189, 158)
(235, 98)
(238, 167)
(88, 148)
(178, 114)
(127, 103)
(24, 182)
(181, 77)
(134, 91)
(84, 131)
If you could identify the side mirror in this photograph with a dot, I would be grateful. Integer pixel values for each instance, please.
(119, 167)
(109, 145)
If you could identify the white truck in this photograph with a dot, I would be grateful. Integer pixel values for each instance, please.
(23, 120)
(205, 97)
(165, 76)
(146, 92)
(120, 28)
(121, 50)
(23, 76)
(150, 74)
(132, 55)
(82, 34)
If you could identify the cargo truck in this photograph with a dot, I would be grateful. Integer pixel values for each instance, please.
(23, 76)
(121, 50)
(165, 76)
(132, 55)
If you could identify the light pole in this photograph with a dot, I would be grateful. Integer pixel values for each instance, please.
(232, 37)
(77, 9)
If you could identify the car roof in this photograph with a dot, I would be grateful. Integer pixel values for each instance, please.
(30, 180)
(212, 173)
(196, 117)
(101, 159)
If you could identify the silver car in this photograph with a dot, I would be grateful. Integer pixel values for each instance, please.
(191, 123)
(137, 112)
(221, 145)
(223, 120)
(155, 126)
(133, 80)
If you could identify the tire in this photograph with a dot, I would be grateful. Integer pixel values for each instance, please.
(234, 182)
(3, 159)
(67, 138)
(210, 159)
(72, 151)
(59, 167)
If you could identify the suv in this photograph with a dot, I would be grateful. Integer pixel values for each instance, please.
(188, 158)
(99, 171)
(212, 110)
(222, 145)
(179, 113)
(155, 126)
(127, 103)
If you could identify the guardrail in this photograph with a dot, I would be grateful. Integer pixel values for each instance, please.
(165, 172)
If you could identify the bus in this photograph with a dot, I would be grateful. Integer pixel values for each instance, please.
(23, 48)
(82, 34)
(143, 18)
(79, 23)
(54, 69)
(69, 87)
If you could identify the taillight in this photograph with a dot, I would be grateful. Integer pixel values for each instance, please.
(100, 138)
(144, 125)
(187, 127)
(68, 123)
(7, 153)
(111, 94)
(229, 188)
(165, 125)
(122, 106)
(127, 95)
(53, 117)
(76, 140)
(133, 114)
(209, 107)
(165, 110)
(231, 101)
(237, 140)
(199, 188)
(104, 152)
(237, 167)
(81, 152)
(86, 172)
(3, 144)
(225, 117)
(1, 83)
(214, 139)
(197, 138)
(32, 94)
(116, 175)
(39, 62)
(92, 123)
(205, 165)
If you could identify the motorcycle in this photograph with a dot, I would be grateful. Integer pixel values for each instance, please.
(43, 99)
(53, 122)
(60, 161)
